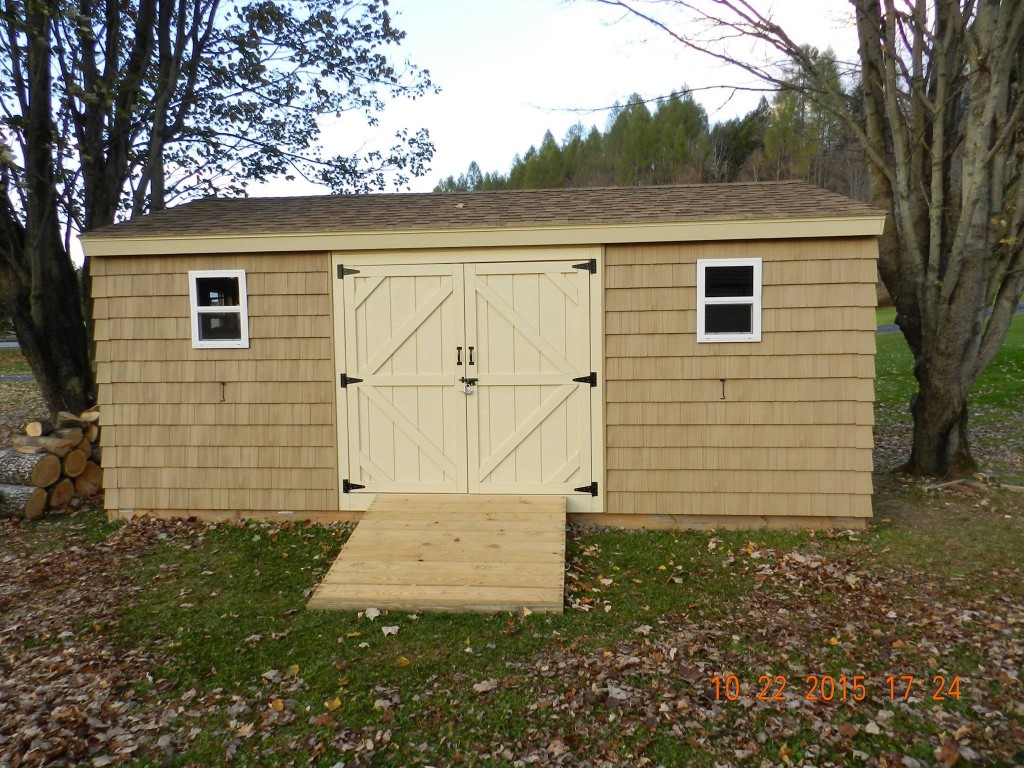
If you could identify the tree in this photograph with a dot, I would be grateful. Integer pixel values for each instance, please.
(942, 129)
(681, 130)
(731, 143)
(111, 109)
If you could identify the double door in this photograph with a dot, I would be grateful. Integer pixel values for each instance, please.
(460, 378)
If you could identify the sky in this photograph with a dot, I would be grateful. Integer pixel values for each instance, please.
(511, 69)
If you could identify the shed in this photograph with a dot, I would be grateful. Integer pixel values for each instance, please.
(683, 356)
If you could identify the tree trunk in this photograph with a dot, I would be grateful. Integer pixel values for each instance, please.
(22, 501)
(38, 428)
(61, 494)
(940, 446)
(90, 481)
(55, 445)
(40, 470)
(37, 278)
(74, 463)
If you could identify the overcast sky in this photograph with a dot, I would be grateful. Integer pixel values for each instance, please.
(511, 69)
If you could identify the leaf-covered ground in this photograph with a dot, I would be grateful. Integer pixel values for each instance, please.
(175, 643)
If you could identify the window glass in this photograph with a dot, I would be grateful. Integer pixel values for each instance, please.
(217, 291)
(220, 326)
(729, 281)
(728, 318)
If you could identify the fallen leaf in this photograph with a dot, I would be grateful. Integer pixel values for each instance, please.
(403, 662)
(643, 629)
(332, 704)
(293, 670)
(848, 730)
(389, 630)
(947, 754)
(486, 686)
(371, 613)
(277, 705)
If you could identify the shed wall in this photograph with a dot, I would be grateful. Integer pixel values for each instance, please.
(793, 434)
(216, 429)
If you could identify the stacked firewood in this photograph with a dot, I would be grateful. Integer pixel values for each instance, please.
(51, 464)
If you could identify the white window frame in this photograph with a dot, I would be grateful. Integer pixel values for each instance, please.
(242, 309)
(754, 301)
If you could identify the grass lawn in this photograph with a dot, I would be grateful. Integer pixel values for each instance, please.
(885, 316)
(178, 644)
(12, 362)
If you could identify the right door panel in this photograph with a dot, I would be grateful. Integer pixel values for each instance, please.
(529, 424)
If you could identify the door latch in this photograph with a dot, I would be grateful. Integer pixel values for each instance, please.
(468, 383)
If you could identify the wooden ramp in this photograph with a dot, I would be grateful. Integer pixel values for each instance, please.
(451, 553)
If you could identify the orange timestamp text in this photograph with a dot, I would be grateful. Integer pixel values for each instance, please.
(827, 688)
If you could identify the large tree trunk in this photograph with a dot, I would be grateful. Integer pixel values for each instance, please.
(56, 348)
(39, 281)
(940, 445)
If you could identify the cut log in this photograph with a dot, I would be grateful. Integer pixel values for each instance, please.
(74, 463)
(61, 494)
(38, 428)
(28, 450)
(92, 433)
(66, 419)
(39, 470)
(74, 434)
(90, 481)
(22, 501)
(91, 416)
(84, 446)
(56, 445)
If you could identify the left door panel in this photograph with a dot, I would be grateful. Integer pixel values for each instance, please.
(407, 417)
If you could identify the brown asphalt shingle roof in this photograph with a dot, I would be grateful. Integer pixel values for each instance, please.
(492, 210)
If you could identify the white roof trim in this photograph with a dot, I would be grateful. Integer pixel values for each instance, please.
(391, 239)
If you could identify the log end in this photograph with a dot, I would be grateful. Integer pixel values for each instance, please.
(35, 507)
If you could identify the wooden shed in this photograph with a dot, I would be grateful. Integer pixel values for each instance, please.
(685, 356)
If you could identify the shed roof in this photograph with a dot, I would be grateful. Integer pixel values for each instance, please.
(587, 209)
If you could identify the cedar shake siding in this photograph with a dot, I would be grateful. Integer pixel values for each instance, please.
(793, 434)
(216, 429)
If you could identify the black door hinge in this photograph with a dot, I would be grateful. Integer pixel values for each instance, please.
(347, 487)
(591, 489)
(591, 379)
(343, 270)
(590, 265)
(345, 380)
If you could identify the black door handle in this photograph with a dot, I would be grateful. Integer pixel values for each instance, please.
(458, 355)
(471, 356)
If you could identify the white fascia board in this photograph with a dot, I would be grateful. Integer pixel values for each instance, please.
(605, 234)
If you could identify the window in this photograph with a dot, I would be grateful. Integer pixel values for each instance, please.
(219, 313)
(728, 300)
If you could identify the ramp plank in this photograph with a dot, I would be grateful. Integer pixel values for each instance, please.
(451, 553)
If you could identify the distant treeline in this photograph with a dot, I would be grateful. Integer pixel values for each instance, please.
(785, 138)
